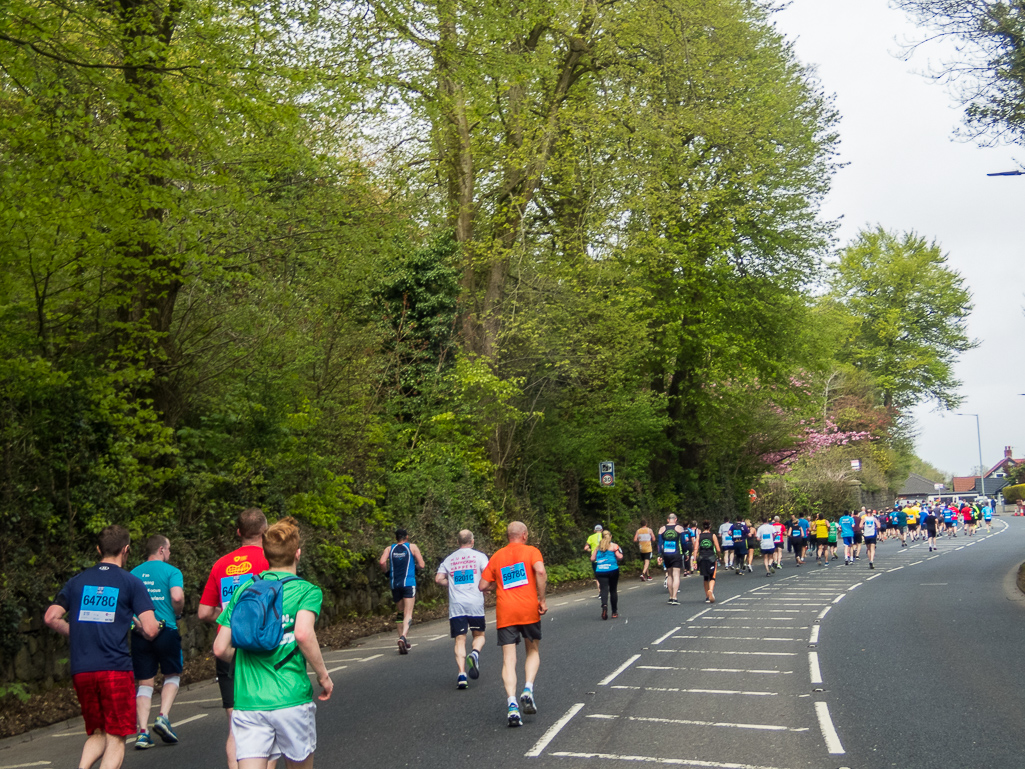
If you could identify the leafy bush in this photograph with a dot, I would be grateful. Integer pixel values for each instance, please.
(1014, 494)
(579, 568)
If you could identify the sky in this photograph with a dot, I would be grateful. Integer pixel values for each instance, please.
(907, 171)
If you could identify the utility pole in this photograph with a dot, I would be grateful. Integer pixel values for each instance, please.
(978, 435)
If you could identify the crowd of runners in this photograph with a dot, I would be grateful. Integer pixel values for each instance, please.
(262, 663)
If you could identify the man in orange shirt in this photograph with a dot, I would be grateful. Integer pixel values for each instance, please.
(518, 573)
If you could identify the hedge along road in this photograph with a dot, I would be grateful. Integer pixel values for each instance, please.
(773, 675)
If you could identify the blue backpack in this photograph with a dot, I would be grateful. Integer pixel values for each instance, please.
(256, 619)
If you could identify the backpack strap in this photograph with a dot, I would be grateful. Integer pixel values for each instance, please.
(284, 660)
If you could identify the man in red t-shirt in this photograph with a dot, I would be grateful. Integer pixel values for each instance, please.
(229, 574)
(518, 573)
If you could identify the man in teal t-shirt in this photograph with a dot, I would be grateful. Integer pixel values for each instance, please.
(274, 711)
(165, 587)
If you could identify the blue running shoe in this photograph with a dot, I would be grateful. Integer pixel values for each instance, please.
(143, 742)
(163, 727)
(514, 716)
(461, 682)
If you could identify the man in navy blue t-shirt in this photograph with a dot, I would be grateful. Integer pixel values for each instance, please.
(99, 603)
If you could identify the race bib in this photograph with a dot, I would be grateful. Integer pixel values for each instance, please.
(99, 604)
(230, 584)
(462, 577)
(514, 576)
(669, 546)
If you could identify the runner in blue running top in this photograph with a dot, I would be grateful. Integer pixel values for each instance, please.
(847, 535)
(401, 561)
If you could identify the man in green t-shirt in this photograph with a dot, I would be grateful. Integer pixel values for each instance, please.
(274, 711)
(592, 545)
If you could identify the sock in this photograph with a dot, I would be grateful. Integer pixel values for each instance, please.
(512, 702)
(528, 686)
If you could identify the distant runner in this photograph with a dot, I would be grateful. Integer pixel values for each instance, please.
(461, 573)
(670, 543)
(706, 555)
(606, 560)
(726, 542)
(401, 562)
(870, 526)
(645, 538)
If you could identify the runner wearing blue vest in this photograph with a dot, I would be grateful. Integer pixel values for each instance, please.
(795, 537)
(401, 562)
(987, 516)
(726, 542)
(739, 534)
(606, 558)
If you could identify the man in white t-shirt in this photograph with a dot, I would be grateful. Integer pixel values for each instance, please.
(767, 541)
(461, 572)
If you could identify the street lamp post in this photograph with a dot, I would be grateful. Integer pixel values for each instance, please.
(982, 468)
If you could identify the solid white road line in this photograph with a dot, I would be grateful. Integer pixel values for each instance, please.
(436, 637)
(191, 718)
(193, 702)
(683, 722)
(715, 651)
(839, 598)
(897, 569)
(824, 612)
(813, 663)
(856, 584)
(694, 691)
(814, 635)
(662, 638)
(828, 730)
(717, 670)
(873, 577)
(654, 760)
(736, 638)
(612, 676)
(734, 598)
(555, 728)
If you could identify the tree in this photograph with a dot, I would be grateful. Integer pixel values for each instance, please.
(910, 311)
(989, 79)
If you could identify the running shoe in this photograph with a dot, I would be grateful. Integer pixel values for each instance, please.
(461, 682)
(163, 727)
(404, 646)
(143, 741)
(527, 702)
(711, 599)
(779, 566)
(768, 574)
(871, 565)
(473, 664)
(615, 616)
(604, 612)
(514, 716)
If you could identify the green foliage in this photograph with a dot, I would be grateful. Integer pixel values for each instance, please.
(988, 73)
(911, 311)
(431, 285)
(579, 568)
(1013, 494)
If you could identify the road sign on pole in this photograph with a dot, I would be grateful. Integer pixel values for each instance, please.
(607, 473)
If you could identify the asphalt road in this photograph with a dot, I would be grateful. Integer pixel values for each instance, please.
(910, 665)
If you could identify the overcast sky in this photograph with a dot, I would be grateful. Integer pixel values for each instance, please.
(906, 171)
